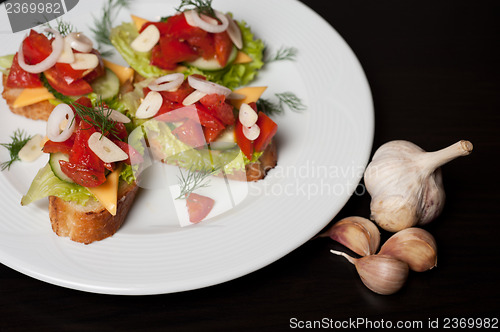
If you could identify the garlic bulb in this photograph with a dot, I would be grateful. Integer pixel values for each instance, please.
(405, 183)
(356, 233)
(415, 246)
(382, 274)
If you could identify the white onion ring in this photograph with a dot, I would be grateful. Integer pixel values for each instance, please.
(168, 82)
(80, 42)
(60, 113)
(208, 87)
(48, 62)
(194, 19)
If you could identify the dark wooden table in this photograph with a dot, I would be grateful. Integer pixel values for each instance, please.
(433, 67)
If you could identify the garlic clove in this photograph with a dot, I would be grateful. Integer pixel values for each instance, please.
(67, 55)
(147, 39)
(149, 106)
(105, 149)
(415, 246)
(405, 183)
(247, 116)
(193, 97)
(251, 132)
(84, 61)
(382, 274)
(32, 150)
(358, 234)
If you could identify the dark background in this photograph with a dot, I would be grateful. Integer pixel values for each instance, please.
(434, 74)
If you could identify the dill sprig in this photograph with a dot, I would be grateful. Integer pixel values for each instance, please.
(98, 116)
(285, 100)
(284, 53)
(290, 100)
(102, 25)
(64, 28)
(19, 139)
(201, 6)
(195, 179)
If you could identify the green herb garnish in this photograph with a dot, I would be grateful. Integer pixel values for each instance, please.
(19, 139)
(285, 99)
(284, 53)
(194, 180)
(64, 28)
(98, 116)
(102, 25)
(201, 6)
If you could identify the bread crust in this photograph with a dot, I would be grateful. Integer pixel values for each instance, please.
(92, 222)
(38, 111)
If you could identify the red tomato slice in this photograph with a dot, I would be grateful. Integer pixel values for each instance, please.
(18, 78)
(84, 101)
(268, 129)
(191, 133)
(207, 119)
(244, 143)
(67, 73)
(81, 154)
(134, 156)
(178, 95)
(54, 147)
(163, 27)
(219, 108)
(167, 107)
(203, 44)
(36, 47)
(176, 51)
(223, 47)
(82, 175)
(211, 134)
(179, 114)
(158, 60)
(198, 207)
(77, 88)
(177, 27)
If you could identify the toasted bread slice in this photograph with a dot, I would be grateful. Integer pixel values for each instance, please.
(37, 111)
(91, 222)
(268, 160)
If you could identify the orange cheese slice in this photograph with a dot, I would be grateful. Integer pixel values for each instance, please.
(107, 193)
(32, 96)
(124, 74)
(138, 21)
(251, 93)
(242, 58)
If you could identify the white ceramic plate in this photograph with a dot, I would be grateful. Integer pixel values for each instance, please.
(322, 155)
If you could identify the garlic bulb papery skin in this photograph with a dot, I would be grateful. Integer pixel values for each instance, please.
(356, 233)
(382, 274)
(405, 183)
(413, 245)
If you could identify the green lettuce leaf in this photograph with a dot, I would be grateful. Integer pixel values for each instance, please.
(47, 184)
(121, 37)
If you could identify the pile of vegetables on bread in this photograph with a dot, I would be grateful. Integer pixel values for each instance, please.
(178, 89)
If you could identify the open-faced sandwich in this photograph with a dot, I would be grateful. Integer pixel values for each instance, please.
(52, 68)
(194, 123)
(89, 178)
(199, 40)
